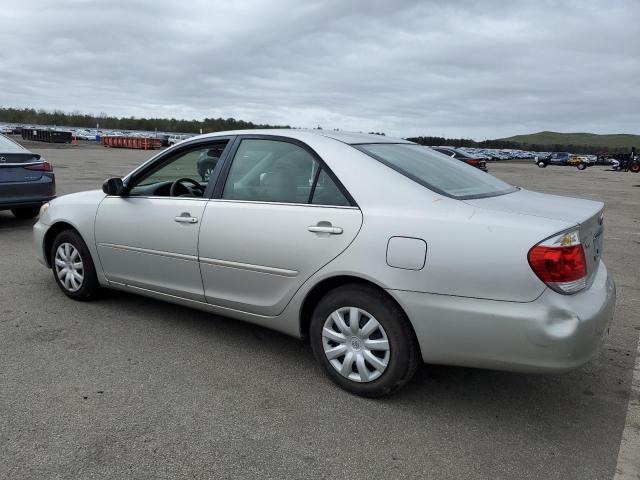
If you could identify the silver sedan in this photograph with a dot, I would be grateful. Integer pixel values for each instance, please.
(381, 252)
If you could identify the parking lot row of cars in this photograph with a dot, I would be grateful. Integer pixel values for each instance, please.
(168, 138)
(92, 134)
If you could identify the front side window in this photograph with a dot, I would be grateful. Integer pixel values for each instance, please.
(437, 172)
(279, 172)
(187, 173)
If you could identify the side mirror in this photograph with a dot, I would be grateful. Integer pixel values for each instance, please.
(113, 186)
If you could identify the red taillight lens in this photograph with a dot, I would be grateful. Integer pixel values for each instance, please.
(473, 162)
(560, 263)
(41, 167)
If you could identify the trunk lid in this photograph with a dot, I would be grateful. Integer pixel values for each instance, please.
(12, 167)
(555, 207)
(588, 214)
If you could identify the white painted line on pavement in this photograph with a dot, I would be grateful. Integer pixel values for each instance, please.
(628, 467)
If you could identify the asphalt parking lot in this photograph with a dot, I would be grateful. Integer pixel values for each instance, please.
(127, 387)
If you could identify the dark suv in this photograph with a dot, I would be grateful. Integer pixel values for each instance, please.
(562, 158)
(26, 180)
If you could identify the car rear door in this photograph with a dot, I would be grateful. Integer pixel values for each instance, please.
(279, 217)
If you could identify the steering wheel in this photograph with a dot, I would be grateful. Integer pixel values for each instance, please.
(178, 183)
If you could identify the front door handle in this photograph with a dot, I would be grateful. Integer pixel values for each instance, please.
(329, 229)
(185, 217)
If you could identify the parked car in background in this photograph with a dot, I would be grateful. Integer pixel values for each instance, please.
(26, 180)
(472, 160)
(85, 135)
(173, 139)
(291, 231)
(563, 158)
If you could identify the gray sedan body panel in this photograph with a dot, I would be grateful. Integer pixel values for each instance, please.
(20, 184)
(472, 297)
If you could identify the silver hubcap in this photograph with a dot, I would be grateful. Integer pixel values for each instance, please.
(355, 344)
(69, 267)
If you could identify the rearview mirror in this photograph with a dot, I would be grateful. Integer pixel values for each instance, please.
(113, 186)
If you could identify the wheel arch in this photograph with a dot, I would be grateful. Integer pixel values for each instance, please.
(326, 285)
(50, 236)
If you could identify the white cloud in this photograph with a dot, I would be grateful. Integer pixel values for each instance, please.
(460, 68)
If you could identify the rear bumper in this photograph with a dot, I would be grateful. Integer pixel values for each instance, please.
(27, 194)
(554, 333)
(24, 203)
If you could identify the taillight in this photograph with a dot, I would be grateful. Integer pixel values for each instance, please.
(560, 263)
(41, 167)
(474, 162)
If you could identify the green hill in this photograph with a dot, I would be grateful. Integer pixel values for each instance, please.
(613, 141)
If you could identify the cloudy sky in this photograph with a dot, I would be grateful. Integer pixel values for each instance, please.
(479, 69)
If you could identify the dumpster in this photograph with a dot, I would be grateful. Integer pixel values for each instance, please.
(43, 135)
(141, 143)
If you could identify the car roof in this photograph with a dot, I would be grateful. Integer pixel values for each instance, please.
(351, 138)
(9, 146)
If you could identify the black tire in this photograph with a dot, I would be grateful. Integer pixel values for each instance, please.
(25, 213)
(582, 166)
(90, 287)
(404, 354)
(542, 164)
(635, 168)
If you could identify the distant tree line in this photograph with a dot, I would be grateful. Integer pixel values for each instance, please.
(30, 116)
(504, 144)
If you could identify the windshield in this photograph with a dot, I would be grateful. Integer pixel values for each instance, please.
(438, 172)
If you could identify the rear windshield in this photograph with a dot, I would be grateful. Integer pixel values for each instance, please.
(438, 172)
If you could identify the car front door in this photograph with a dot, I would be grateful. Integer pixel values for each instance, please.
(148, 237)
(279, 217)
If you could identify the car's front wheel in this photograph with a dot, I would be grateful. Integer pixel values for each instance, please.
(73, 267)
(26, 213)
(542, 164)
(582, 166)
(363, 341)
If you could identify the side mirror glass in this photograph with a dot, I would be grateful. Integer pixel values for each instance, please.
(113, 186)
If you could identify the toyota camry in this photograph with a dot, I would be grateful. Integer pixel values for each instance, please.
(382, 253)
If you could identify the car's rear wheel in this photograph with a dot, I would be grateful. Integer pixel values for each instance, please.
(73, 267)
(363, 341)
(635, 168)
(541, 164)
(582, 166)
(26, 213)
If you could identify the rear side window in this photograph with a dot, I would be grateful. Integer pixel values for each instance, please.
(279, 172)
(437, 172)
(327, 192)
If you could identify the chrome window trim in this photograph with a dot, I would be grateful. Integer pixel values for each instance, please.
(262, 202)
(157, 197)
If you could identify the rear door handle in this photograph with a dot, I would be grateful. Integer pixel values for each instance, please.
(185, 218)
(325, 229)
